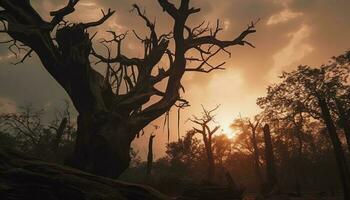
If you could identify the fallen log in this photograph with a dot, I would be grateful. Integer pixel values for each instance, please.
(26, 178)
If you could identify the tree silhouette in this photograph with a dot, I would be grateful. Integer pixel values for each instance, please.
(320, 93)
(248, 134)
(150, 157)
(35, 136)
(270, 161)
(205, 122)
(110, 117)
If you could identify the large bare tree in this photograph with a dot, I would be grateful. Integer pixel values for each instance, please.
(109, 116)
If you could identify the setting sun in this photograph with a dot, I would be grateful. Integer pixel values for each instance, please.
(226, 129)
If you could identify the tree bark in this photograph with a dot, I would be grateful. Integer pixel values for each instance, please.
(270, 159)
(23, 178)
(337, 147)
(102, 145)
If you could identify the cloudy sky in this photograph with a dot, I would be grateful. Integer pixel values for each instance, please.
(290, 32)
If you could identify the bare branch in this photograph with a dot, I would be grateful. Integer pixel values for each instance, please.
(28, 54)
(100, 21)
(169, 8)
(149, 24)
(61, 13)
(211, 39)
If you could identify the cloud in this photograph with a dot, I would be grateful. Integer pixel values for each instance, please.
(7, 105)
(294, 51)
(283, 16)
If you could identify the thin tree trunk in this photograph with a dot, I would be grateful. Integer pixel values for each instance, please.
(210, 157)
(211, 169)
(149, 157)
(256, 160)
(270, 159)
(345, 122)
(337, 147)
(59, 134)
(298, 166)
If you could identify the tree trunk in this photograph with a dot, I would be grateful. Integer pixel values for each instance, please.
(210, 158)
(298, 164)
(150, 157)
(211, 167)
(270, 159)
(337, 147)
(102, 145)
(256, 161)
(344, 121)
(59, 134)
(24, 178)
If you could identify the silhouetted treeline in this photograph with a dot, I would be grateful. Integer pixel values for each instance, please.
(307, 113)
(29, 131)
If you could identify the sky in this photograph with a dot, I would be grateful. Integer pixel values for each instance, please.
(290, 33)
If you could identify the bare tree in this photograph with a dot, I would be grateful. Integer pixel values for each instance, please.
(253, 127)
(109, 116)
(205, 122)
(248, 140)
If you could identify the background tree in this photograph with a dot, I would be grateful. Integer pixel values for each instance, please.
(315, 92)
(205, 122)
(248, 135)
(112, 107)
(272, 182)
(150, 157)
(30, 133)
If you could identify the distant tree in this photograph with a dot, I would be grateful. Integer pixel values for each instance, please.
(185, 152)
(113, 108)
(204, 123)
(271, 172)
(150, 157)
(316, 92)
(31, 134)
(248, 134)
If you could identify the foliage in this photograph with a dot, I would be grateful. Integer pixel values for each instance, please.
(27, 131)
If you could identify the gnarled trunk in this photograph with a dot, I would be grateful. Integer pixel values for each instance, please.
(102, 145)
